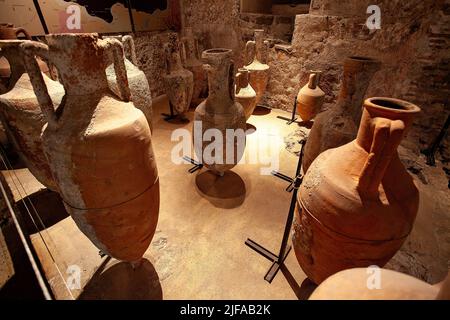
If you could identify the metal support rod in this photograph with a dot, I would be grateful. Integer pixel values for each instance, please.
(130, 13)
(285, 249)
(171, 116)
(294, 115)
(41, 16)
(24, 241)
(197, 165)
(431, 150)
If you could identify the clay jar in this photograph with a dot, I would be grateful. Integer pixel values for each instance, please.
(99, 147)
(352, 284)
(245, 95)
(310, 98)
(21, 114)
(179, 82)
(339, 124)
(191, 58)
(259, 70)
(218, 114)
(9, 32)
(357, 203)
(138, 83)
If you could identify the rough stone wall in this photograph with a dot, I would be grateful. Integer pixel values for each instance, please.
(151, 58)
(216, 24)
(413, 45)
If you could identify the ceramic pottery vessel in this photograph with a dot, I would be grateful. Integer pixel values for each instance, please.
(256, 53)
(245, 95)
(98, 146)
(310, 98)
(352, 284)
(339, 124)
(138, 83)
(219, 114)
(21, 114)
(8, 32)
(179, 82)
(191, 57)
(357, 203)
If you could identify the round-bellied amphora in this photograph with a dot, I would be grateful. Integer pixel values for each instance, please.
(339, 124)
(179, 81)
(99, 147)
(191, 58)
(137, 81)
(219, 127)
(21, 114)
(258, 68)
(245, 95)
(310, 98)
(357, 203)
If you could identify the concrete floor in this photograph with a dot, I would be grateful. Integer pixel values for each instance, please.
(198, 251)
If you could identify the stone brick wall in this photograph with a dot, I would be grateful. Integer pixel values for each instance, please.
(413, 45)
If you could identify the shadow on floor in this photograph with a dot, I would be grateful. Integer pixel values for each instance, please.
(305, 124)
(49, 207)
(225, 192)
(261, 111)
(18, 281)
(122, 282)
(304, 291)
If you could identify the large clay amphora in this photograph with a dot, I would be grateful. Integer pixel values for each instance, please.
(357, 203)
(192, 62)
(339, 124)
(357, 284)
(99, 147)
(9, 32)
(137, 81)
(219, 127)
(256, 53)
(179, 82)
(310, 98)
(245, 95)
(21, 115)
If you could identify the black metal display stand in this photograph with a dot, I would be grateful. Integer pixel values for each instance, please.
(431, 150)
(197, 165)
(171, 116)
(278, 260)
(293, 117)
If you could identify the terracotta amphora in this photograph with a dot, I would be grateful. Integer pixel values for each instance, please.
(9, 32)
(245, 95)
(339, 124)
(192, 62)
(256, 54)
(219, 117)
(357, 203)
(137, 81)
(21, 115)
(99, 147)
(379, 284)
(179, 82)
(310, 98)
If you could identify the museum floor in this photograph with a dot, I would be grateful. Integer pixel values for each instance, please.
(198, 251)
